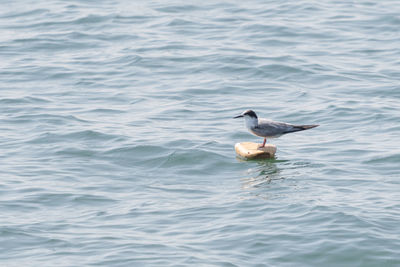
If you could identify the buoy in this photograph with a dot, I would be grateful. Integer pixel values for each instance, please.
(251, 150)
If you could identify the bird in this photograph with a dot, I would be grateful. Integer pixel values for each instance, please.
(268, 128)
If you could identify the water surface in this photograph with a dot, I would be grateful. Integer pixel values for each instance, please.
(117, 143)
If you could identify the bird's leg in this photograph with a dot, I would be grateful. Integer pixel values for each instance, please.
(263, 144)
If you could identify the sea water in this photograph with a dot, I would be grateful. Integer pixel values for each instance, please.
(117, 138)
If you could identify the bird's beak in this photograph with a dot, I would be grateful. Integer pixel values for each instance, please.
(239, 116)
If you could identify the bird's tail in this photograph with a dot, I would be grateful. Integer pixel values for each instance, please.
(297, 128)
(305, 127)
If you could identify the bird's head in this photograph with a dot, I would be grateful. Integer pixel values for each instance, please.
(250, 118)
(247, 114)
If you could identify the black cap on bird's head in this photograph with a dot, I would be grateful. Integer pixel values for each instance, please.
(249, 113)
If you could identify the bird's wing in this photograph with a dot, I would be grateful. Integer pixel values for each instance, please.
(275, 127)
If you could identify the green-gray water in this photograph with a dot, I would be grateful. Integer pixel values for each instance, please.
(117, 137)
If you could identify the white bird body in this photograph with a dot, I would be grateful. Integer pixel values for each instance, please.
(267, 128)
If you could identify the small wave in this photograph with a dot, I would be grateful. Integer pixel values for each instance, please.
(65, 199)
(395, 158)
(86, 136)
(25, 14)
(25, 100)
(44, 118)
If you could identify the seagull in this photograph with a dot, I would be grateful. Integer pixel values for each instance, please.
(267, 128)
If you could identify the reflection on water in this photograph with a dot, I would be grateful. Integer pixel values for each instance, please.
(261, 175)
(259, 180)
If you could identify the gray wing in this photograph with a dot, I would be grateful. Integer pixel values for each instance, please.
(275, 128)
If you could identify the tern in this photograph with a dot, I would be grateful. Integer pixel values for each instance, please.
(269, 129)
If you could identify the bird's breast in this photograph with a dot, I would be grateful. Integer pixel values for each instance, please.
(256, 131)
(262, 132)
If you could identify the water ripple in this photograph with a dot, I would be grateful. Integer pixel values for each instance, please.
(117, 137)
